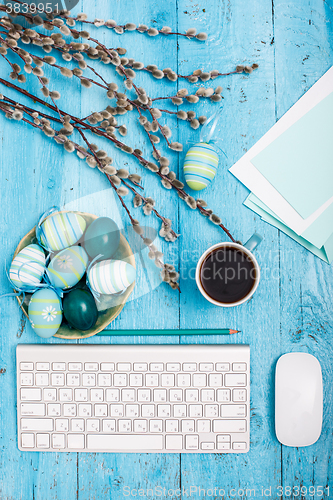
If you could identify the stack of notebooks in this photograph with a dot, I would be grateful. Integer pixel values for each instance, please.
(290, 171)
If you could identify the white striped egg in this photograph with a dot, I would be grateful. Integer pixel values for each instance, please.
(111, 276)
(28, 267)
(61, 230)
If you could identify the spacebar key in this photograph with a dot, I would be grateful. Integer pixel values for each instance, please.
(118, 442)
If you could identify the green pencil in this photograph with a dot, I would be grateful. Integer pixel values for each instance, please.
(208, 331)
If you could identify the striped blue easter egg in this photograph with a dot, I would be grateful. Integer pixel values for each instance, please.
(28, 266)
(45, 312)
(200, 165)
(61, 230)
(111, 276)
(67, 267)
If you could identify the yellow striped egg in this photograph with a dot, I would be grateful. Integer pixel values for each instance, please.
(61, 230)
(200, 165)
(45, 312)
(28, 266)
(111, 276)
(67, 267)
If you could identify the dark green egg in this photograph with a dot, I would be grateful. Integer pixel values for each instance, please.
(80, 309)
(102, 237)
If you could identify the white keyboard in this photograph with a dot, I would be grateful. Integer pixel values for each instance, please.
(137, 398)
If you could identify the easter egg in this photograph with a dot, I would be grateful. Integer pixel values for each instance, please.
(45, 313)
(28, 266)
(111, 276)
(61, 230)
(200, 165)
(67, 267)
(102, 237)
(80, 309)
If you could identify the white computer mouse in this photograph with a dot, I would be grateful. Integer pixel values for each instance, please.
(298, 399)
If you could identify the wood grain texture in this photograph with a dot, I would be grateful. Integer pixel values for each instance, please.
(291, 311)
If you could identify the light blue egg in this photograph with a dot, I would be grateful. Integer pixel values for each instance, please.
(111, 276)
(200, 165)
(45, 312)
(67, 267)
(61, 230)
(28, 266)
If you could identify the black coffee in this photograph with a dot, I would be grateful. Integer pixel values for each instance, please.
(227, 275)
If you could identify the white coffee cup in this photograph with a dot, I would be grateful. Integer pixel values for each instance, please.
(246, 249)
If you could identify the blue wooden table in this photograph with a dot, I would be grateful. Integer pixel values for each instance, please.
(292, 309)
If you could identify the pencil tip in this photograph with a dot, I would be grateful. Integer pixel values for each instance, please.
(234, 331)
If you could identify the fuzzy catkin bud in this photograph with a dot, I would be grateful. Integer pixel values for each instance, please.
(176, 146)
(66, 72)
(201, 36)
(192, 99)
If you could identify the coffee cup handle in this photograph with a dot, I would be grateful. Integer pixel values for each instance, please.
(253, 242)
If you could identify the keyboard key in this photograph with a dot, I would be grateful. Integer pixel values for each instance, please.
(124, 367)
(235, 380)
(54, 410)
(74, 367)
(65, 394)
(104, 379)
(195, 411)
(128, 395)
(222, 367)
(73, 379)
(27, 440)
(207, 446)
(164, 411)
(112, 395)
(203, 425)
(207, 395)
(189, 367)
(173, 367)
(42, 379)
(229, 425)
(27, 378)
(81, 394)
(238, 367)
(223, 395)
(179, 411)
(211, 411)
(188, 426)
(124, 425)
(239, 446)
(183, 380)
(62, 424)
(192, 442)
(109, 426)
(96, 395)
(156, 425)
(91, 367)
(69, 410)
(77, 425)
(26, 367)
(58, 379)
(61, 367)
(31, 394)
(206, 367)
(107, 367)
(88, 379)
(147, 411)
(144, 395)
(136, 380)
(160, 395)
(43, 440)
(191, 395)
(116, 410)
(75, 441)
(120, 379)
(34, 409)
(132, 411)
(85, 410)
(123, 442)
(92, 425)
(167, 380)
(175, 395)
(223, 446)
(42, 366)
(223, 438)
(140, 425)
(140, 367)
(36, 424)
(233, 411)
(239, 395)
(156, 367)
(215, 380)
(174, 442)
(172, 426)
(58, 441)
(199, 379)
(152, 380)
(101, 410)
(50, 394)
